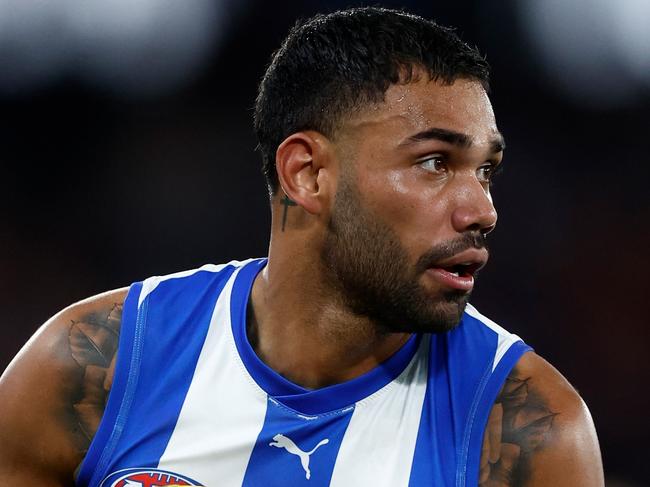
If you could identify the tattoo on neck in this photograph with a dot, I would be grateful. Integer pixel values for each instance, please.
(93, 345)
(519, 424)
(286, 202)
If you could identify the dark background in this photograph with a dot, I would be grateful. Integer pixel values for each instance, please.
(103, 184)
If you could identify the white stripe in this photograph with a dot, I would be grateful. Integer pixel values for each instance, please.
(505, 338)
(379, 443)
(223, 412)
(148, 285)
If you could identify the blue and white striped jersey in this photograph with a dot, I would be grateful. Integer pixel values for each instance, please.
(191, 403)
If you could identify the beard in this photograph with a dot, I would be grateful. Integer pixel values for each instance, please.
(369, 269)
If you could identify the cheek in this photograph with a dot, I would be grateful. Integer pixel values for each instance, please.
(415, 211)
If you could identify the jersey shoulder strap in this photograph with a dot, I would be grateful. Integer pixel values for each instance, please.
(467, 368)
(164, 323)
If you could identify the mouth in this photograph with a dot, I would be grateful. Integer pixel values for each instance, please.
(458, 272)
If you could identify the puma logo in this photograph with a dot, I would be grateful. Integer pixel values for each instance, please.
(281, 441)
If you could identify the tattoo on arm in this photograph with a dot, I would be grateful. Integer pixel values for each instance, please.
(519, 423)
(93, 345)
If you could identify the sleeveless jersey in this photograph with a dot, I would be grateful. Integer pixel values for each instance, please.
(192, 404)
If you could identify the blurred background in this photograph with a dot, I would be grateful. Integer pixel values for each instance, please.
(127, 150)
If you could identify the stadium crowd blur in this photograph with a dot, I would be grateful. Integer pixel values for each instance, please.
(127, 151)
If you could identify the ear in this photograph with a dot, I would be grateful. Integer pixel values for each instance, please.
(303, 162)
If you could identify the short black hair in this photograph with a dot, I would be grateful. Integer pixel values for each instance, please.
(331, 64)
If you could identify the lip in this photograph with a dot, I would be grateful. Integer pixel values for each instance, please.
(474, 259)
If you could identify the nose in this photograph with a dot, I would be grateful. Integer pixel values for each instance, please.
(474, 210)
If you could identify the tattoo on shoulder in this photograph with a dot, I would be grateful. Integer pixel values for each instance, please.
(93, 345)
(519, 424)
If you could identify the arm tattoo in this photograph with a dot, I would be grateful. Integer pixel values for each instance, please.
(93, 344)
(519, 424)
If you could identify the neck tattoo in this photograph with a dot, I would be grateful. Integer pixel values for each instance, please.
(286, 202)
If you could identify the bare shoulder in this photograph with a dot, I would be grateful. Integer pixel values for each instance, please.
(539, 432)
(55, 390)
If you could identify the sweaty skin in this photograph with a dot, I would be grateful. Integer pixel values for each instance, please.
(417, 182)
(539, 432)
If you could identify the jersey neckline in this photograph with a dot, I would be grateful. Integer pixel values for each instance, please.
(318, 401)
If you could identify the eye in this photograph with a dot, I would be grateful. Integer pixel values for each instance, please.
(433, 163)
(486, 172)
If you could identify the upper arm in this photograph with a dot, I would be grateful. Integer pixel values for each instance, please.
(53, 394)
(539, 432)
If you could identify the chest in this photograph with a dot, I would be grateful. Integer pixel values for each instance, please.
(232, 434)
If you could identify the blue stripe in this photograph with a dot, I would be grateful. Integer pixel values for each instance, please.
(472, 347)
(134, 374)
(307, 401)
(123, 366)
(273, 465)
(484, 406)
(434, 459)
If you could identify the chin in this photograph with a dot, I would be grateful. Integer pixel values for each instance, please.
(446, 313)
(441, 317)
(451, 313)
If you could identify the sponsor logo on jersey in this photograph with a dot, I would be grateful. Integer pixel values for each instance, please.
(281, 441)
(139, 477)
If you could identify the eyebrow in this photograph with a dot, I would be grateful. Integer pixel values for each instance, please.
(459, 139)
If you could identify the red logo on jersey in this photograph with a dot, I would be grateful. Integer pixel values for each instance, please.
(136, 477)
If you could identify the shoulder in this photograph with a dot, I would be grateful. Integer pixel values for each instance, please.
(192, 280)
(539, 432)
(54, 391)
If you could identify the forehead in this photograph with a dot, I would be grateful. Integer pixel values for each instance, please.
(410, 108)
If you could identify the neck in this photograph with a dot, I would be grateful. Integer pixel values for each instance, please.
(304, 331)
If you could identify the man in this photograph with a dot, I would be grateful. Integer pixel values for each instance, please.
(349, 356)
